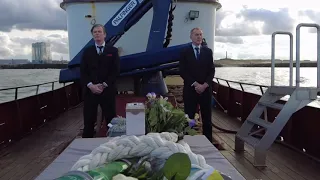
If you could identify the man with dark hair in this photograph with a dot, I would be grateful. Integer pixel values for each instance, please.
(197, 70)
(98, 72)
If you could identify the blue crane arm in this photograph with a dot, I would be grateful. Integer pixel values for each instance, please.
(149, 61)
(128, 15)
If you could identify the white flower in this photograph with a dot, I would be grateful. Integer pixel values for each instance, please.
(153, 95)
(149, 95)
(196, 116)
(123, 177)
(187, 116)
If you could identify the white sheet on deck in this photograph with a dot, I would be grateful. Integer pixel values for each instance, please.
(199, 144)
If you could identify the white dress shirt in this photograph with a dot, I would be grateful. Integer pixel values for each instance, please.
(194, 49)
(195, 54)
(98, 49)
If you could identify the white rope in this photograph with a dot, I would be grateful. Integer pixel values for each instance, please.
(158, 145)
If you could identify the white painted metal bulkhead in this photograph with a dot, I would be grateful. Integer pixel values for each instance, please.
(135, 40)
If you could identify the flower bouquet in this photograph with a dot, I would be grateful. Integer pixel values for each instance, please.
(162, 116)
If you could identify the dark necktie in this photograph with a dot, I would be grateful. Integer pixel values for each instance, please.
(197, 52)
(100, 49)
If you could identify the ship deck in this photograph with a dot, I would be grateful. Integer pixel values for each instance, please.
(27, 158)
(282, 163)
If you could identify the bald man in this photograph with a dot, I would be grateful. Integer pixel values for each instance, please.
(197, 70)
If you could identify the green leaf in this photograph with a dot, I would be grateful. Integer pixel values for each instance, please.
(192, 132)
(177, 167)
(157, 175)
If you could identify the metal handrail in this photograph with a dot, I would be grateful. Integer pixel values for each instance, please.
(273, 56)
(298, 51)
(241, 84)
(37, 85)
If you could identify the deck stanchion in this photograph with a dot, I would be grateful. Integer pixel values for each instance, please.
(273, 56)
(298, 51)
(16, 94)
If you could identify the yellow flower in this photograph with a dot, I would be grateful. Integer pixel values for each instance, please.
(196, 116)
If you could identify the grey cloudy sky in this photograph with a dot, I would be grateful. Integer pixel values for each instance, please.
(241, 27)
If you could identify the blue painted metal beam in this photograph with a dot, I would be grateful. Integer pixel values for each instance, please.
(150, 70)
(117, 25)
(151, 58)
(159, 22)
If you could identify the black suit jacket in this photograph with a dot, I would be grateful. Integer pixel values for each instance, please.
(192, 70)
(97, 68)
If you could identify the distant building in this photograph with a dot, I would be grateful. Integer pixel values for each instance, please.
(41, 53)
(13, 61)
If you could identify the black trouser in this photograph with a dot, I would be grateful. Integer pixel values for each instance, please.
(107, 101)
(191, 99)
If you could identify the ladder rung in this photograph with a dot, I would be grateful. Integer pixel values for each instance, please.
(260, 122)
(272, 105)
(250, 140)
(281, 90)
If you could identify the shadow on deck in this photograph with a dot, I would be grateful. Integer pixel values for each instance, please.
(282, 162)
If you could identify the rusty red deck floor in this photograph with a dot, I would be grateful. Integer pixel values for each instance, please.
(27, 158)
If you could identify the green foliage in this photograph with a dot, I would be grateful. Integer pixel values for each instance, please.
(190, 131)
(140, 172)
(177, 167)
(162, 116)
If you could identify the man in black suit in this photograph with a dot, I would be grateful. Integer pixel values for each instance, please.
(197, 70)
(99, 70)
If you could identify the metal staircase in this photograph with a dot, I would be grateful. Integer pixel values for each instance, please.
(299, 98)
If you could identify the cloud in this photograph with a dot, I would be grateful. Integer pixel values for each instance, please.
(313, 16)
(272, 20)
(20, 47)
(245, 32)
(243, 29)
(4, 50)
(31, 14)
(229, 39)
(28, 21)
(253, 22)
(227, 24)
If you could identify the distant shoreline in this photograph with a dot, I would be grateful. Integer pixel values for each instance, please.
(34, 66)
(261, 63)
(218, 63)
